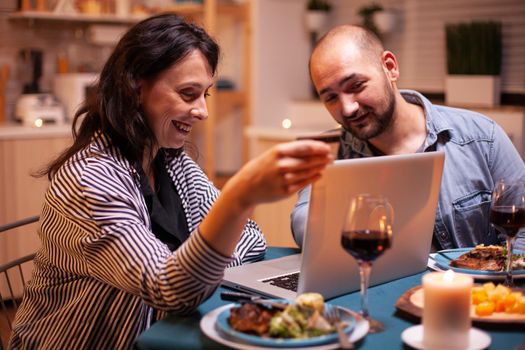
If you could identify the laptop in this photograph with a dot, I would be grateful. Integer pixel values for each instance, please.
(410, 182)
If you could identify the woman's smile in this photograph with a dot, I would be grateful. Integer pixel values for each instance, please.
(181, 127)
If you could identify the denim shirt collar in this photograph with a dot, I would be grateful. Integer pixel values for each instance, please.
(435, 125)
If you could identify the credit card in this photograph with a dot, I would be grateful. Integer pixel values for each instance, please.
(329, 136)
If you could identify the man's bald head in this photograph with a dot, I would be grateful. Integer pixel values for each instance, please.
(355, 79)
(364, 40)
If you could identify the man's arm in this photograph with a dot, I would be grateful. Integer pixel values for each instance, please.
(300, 214)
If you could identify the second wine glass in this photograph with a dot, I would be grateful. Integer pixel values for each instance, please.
(366, 234)
(507, 215)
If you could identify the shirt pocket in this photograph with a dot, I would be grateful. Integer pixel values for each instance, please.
(471, 219)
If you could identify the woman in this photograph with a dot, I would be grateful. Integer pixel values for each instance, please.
(130, 226)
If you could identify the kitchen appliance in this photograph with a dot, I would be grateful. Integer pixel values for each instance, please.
(33, 107)
(30, 70)
(72, 89)
(39, 109)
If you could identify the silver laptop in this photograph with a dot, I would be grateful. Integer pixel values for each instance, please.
(410, 182)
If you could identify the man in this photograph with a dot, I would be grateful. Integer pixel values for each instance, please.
(357, 81)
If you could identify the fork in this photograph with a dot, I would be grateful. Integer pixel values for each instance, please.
(333, 315)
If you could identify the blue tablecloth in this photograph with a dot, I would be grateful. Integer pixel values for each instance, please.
(176, 332)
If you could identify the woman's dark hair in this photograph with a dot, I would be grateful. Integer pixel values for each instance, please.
(148, 48)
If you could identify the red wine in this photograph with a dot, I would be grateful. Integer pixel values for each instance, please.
(507, 219)
(365, 245)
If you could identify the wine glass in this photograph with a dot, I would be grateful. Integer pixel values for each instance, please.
(366, 234)
(507, 215)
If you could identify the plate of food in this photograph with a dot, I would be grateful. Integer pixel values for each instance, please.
(481, 262)
(490, 303)
(303, 323)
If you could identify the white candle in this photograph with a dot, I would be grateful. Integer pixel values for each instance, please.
(446, 310)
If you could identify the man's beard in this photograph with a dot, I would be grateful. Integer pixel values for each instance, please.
(376, 123)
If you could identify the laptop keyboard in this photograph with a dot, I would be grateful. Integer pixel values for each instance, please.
(289, 281)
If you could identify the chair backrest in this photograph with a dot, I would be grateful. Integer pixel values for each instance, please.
(12, 277)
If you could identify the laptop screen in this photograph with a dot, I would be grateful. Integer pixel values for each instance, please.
(411, 184)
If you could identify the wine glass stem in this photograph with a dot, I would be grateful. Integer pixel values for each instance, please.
(508, 268)
(364, 272)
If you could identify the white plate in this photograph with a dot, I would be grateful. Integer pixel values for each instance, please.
(207, 325)
(413, 336)
(417, 299)
(476, 274)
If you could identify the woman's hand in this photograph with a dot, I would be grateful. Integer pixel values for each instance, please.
(280, 171)
(274, 175)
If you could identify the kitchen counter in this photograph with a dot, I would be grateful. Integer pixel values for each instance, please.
(9, 131)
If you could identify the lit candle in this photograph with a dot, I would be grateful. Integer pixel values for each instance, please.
(446, 310)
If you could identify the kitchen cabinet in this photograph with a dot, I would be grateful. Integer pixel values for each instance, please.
(21, 194)
(22, 152)
(221, 103)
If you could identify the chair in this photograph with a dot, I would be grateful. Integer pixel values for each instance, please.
(12, 275)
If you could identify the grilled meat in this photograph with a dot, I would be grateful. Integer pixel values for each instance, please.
(251, 318)
(489, 258)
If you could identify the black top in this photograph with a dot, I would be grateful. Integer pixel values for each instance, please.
(168, 220)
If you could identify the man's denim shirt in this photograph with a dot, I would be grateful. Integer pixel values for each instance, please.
(477, 154)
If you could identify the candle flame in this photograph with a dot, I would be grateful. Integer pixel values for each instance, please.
(448, 276)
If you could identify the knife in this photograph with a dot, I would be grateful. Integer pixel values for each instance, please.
(251, 298)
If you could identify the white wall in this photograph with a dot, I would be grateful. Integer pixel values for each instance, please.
(281, 46)
(280, 55)
(281, 51)
(419, 39)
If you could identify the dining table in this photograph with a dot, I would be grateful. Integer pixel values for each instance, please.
(184, 332)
